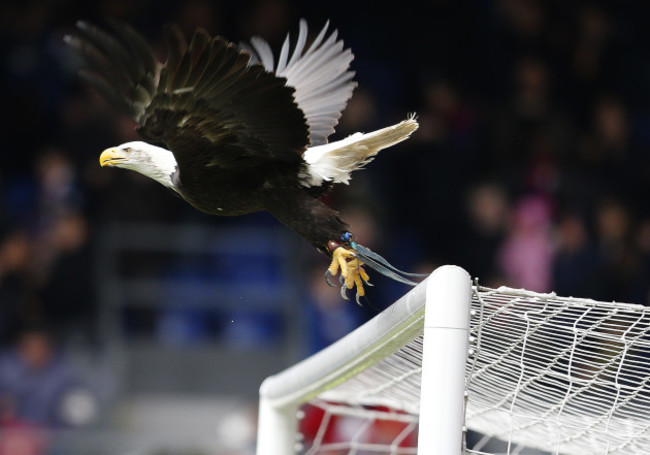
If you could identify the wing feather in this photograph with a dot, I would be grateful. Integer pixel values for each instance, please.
(127, 76)
(319, 38)
(109, 45)
(300, 44)
(137, 44)
(256, 110)
(321, 77)
(284, 54)
(264, 52)
(107, 90)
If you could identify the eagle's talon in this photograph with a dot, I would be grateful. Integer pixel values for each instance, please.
(343, 293)
(357, 299)
(328, 275)
(352, 273)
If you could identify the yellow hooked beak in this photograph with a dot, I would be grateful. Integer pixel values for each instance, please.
(110, 157)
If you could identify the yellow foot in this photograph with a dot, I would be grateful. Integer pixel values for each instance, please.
(352, 272)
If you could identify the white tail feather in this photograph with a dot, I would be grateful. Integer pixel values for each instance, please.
(335, 161)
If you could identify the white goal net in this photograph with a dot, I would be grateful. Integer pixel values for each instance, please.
(539, 373)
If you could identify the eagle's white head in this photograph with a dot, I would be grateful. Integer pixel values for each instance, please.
(154, 162)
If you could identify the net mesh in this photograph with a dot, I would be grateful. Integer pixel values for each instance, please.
(335, 428)
(560, 375)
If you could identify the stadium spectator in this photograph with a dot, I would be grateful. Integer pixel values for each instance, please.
(18, 437)
(71, 309)
(485, 225)
(328, 317)
(623, 275)
(16, 288)
(576, 267)
(527, 252)
(36, 382)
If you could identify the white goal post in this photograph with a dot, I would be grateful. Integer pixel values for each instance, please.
(523, 370)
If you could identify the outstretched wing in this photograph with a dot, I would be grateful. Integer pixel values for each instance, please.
(320, 75)
(122, 68)
(206, 103)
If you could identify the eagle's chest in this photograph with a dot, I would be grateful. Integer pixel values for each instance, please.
(225, 194)
(236, 193)
(222, 200)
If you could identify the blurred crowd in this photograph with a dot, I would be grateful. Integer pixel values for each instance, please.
(530, 167)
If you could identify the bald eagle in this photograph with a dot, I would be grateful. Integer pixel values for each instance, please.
(232, 131)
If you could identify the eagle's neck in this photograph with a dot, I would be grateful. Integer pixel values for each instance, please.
(155, 162)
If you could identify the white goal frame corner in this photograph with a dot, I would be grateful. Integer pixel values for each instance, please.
(441, 303)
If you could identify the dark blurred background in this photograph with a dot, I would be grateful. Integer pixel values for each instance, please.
(123, 312)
